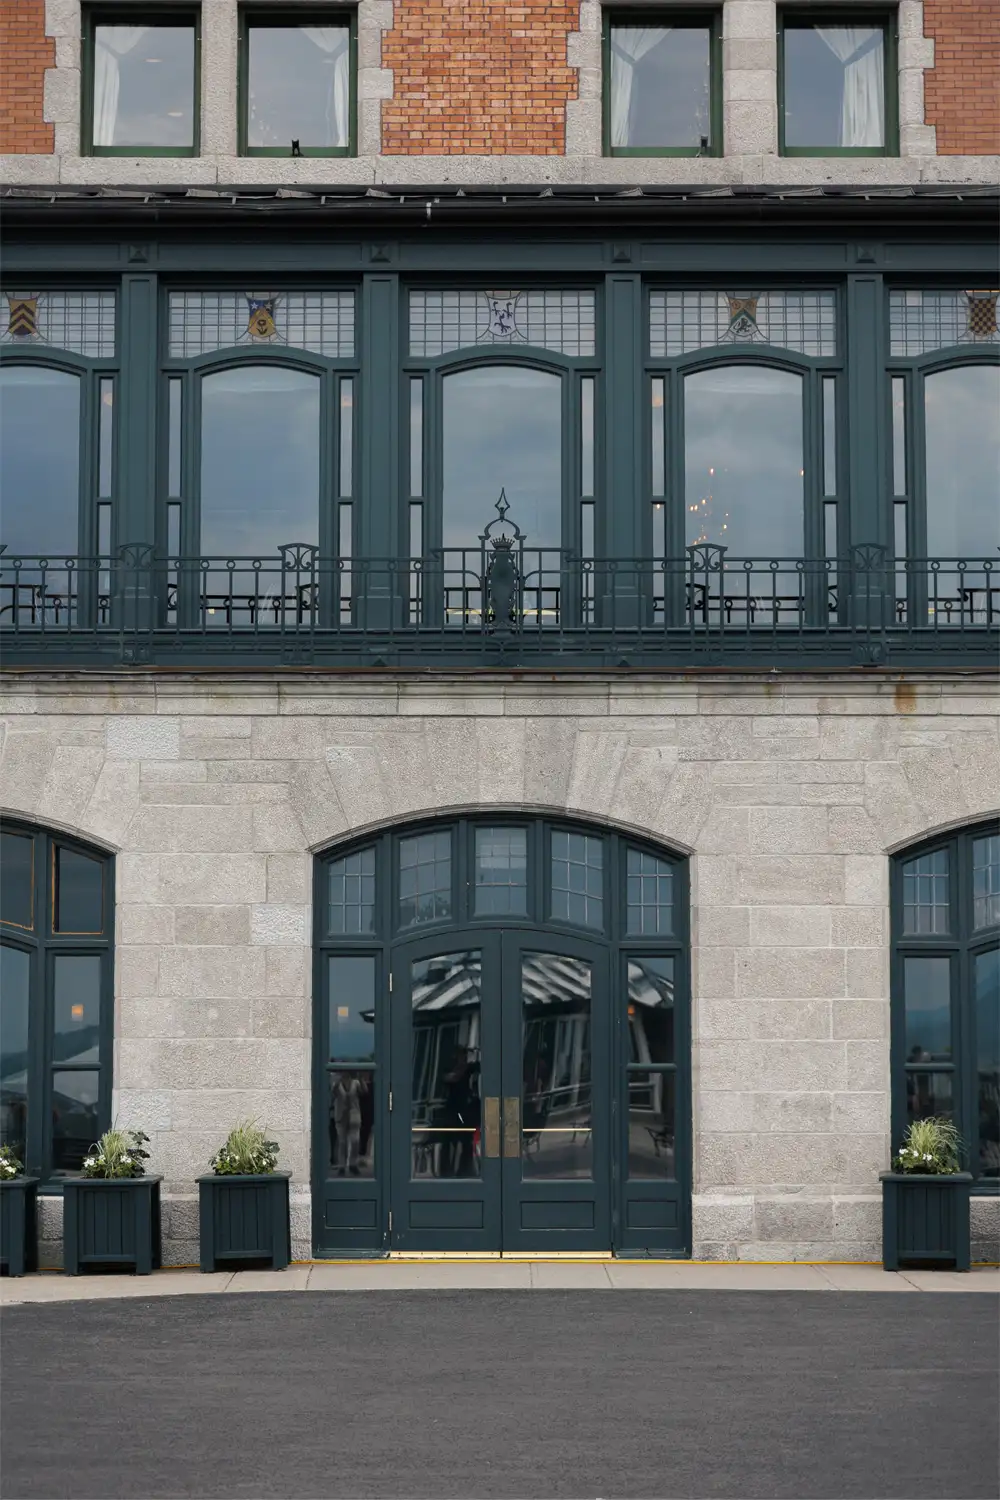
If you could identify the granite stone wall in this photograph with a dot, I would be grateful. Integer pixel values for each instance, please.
(788, 795)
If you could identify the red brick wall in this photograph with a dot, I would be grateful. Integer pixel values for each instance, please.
(962, 91)
(480, 77)
(25, 53)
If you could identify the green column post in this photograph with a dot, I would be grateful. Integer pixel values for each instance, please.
(378, 533)
(621, 531)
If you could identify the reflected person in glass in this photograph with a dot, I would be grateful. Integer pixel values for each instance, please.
(346, 1109)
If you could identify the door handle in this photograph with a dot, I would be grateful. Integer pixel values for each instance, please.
(492, 1124)
(512, 1126)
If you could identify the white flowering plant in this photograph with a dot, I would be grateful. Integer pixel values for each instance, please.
(119, 1153)
(10, 1164)
(931, 1148)
(246, 1152)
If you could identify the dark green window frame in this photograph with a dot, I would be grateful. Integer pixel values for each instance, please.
(960, 945)
(261, 19)
(142, 15)
(699, 19)
(796, 19)
(43, 944)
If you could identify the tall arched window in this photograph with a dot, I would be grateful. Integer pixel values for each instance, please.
(946, 991)
(56, 1005)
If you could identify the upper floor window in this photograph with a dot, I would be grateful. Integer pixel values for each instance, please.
(296, 84)
(56, 921)
(837, 85)
(140, 83)
(662, 94)
(946, 991)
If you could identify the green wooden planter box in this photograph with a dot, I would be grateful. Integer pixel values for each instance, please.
(19, 1225)
(111, 1222)
(244, 1218)
(925, 1220)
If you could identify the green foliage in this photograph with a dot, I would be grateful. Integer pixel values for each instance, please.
(119, 1153)
(931, 1147)
(246, 1151)
(10, 1165)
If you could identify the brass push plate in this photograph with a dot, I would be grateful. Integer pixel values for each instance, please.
(492, 1120)
(512, 1126)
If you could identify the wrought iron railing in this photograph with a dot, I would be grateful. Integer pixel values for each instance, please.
(501, 604)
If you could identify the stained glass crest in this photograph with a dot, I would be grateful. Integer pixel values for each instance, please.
(682, 322)
(921, 322)
(443, 321)
(321, 322)
(81, 322)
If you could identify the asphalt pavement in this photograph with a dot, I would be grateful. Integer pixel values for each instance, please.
(482, 1394)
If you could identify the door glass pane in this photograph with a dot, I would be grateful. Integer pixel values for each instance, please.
(587, 436)
(834, 86)
(927, 1094)
(298, 87)
(659, 439)
(77, 1005)
(577, 879)
(501, 871)
(144, 86)
(650, 890)
(78, 893)
(173, 438)
(446, 1112)
(39, 460)
(351, 992)
(660, 82)
(925, 893)
(75, 1125)
(424, 879)
(651, 1010)
(898, 435)
(352, 1123)
(416, 440)
(15, 998)
(651, 1124)
(830, 436)
(963, 462)
(987, 990)
(352, 893)
(927, 1004)
(346, 437)
(986, 881)
(556, 1139)
(106, 437)
(17, 880)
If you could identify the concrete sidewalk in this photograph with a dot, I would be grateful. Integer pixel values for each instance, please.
(469, 1275)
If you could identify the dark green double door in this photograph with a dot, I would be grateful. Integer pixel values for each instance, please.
(501, 1094)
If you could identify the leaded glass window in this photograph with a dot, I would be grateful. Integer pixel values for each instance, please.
(650, 895)
(320, 322)
(425, 878)
(925, 893)
(501, 871)
(681, 322)
(562, 321)
(921, 322)
(577, 873)
(352, 893)
(81, 322)
(986, 881)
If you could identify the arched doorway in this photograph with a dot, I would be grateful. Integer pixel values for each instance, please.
(502, 1041)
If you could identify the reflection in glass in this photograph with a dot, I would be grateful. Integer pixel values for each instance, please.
(927, 1006)
(651, 1010)
(556, 1136)
(298, 87)
(986, 881)
(928, 1093)
(829, 436)
(15, 998)
(75, 1123)
(425, 878)
(106, 436)
(898, 435)
(963, 462)
(743, 480)
(660, 86)
(144, 86)
(501, 871)
(346, 438)
(173, 439)
(834, 86)
(352, 893)
(658, 392)
(352, 1122)
(416, 441)
(39, 460)
(651, 1125)
(77, 1006)
(445, 1101)
(79, 893)
(987, 998)
(17, 880)
(925, 893)
(587, 435)
(577, 879)
(650, 895)
(351, 990)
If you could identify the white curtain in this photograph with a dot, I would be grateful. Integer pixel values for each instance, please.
(629, 44)
(111, 44)
(862, 113)
(338, 121)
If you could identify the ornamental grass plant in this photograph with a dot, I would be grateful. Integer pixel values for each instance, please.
(246, 1152)
(118, 1153)
(931, 1148)
(10, 1165)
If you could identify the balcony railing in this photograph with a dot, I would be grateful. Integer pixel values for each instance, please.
(500, 605)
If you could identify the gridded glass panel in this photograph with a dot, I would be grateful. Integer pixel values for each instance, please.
(17, 881)
(987, 1001)
(651, 1010)
(322, 322)
(986, 881)
(920, 322)
(351, 991)
(577, 879)
(15, 1004)
(424, 878)
(75, 1125)
(680, 322)
(651, 1125)
(76, 986)
(78, 892)
(564, 322)
(925, 893)
(501, 871)
(82, 322)
(927, 1008)
(352, 893)
(650, 888)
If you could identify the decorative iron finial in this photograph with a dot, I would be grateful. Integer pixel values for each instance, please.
(502, 504)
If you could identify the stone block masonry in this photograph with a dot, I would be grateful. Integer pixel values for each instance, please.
(25, 53)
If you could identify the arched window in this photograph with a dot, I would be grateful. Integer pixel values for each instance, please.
(56, 1006)
(946, 990)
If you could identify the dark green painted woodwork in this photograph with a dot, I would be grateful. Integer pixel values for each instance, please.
(925, 1221)
(244, 1218)
(111, 1223)
(19, 1225)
